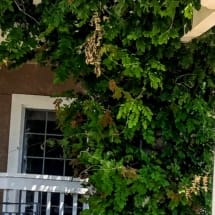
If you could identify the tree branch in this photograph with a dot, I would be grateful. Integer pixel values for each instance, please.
(24, 12)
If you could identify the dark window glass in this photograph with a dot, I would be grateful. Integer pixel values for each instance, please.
(35, 144)
(68, 168)
(54, 167)
(43, 203)
(35, 121)
(53, 149)
(29, 196)
(42, 153)
(34, 165)
(52, 127)
(80, 204)
(43, 197)
(68, 204)
(55, 200)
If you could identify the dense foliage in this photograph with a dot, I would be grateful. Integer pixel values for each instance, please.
(142, 130)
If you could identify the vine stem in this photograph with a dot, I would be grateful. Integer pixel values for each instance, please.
(24, 12)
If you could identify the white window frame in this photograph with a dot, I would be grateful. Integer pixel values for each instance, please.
(19, 104)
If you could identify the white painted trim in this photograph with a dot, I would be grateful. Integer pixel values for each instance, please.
(23, 201)
(36, 200)
(41, 183)
(36, 2)
(203, 20)
(210, 4)
(18, 105)
(48, 203)
(61, 206)
(74, 204)
(41, 177)
(2, 38)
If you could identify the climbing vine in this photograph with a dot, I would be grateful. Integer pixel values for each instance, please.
(143, 128)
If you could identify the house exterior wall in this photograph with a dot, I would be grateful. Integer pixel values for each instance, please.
(29, 79)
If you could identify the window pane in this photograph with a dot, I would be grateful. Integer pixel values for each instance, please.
(53, 167)
(80, 204)
(29, 202)
(42, 153)
(35, 145)
(67, 204)
(35, 121)
(34, 166)
(53, 149)
(68, 169)
(55, 200)
(52, 127)
(43, 203)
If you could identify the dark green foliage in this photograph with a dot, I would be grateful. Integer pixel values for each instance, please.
(143, 130)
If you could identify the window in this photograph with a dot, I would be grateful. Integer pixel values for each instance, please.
(33, 149)
(42, 153)
(32, 123)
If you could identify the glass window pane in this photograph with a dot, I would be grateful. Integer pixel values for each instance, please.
(68, 169)
(52, 127)
(34, 166)
(29, 202)
(43, 203)
(41, 138)
(35, 121)
(35, 144)
(53, 149)
(80, 204)
(53, 167)
(29, 196)
(55, 200)
(67, 204)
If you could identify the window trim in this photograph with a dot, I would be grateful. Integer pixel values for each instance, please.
(18, 105)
